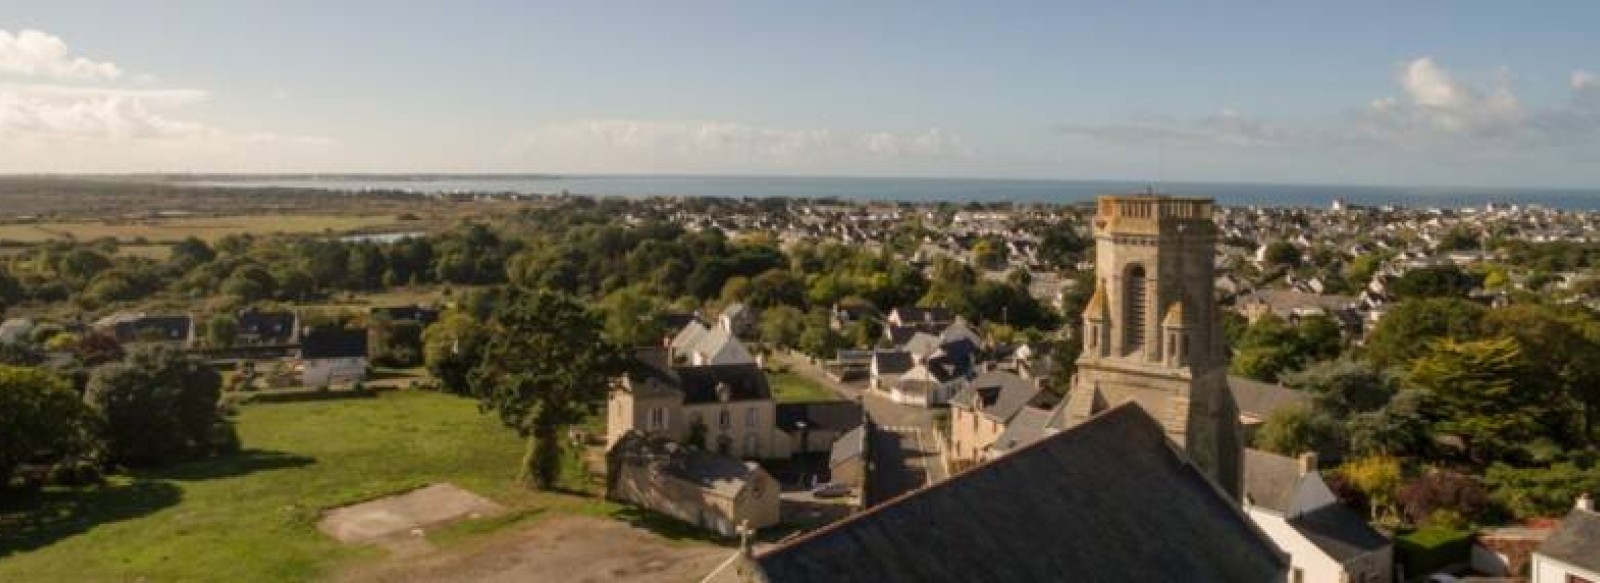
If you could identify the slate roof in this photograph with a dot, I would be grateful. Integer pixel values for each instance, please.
(721, 474)
(698, 384)
(1027, 426)
(899, 335)
(1000, 394)
(911, 315)
(1109, 500)
(141, 327)
(334, 343)
(271, 325)
(892, 361)
(1270, 480)
(1259, 400)
(1577, 541)
(1339, 531)
(850, 445)
(821, 415)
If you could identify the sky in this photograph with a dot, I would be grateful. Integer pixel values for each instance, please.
(1499, 94)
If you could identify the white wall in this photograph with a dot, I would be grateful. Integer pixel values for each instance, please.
(1548, 570)
(328, 371)
(1303, 554)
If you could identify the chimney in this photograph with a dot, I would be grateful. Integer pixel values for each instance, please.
(1308, 462)
(1585, 502)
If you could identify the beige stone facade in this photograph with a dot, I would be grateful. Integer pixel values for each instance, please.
(715, 492)
(1152, 329)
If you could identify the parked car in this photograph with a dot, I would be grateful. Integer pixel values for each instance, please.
(831, 490)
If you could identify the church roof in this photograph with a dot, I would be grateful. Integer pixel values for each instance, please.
(1109, 500)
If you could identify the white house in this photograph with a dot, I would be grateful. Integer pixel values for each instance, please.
(1326, 541)
(1572, 553)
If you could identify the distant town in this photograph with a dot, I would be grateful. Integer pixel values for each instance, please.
(1146, 386)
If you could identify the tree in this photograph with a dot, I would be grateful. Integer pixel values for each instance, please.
(1377, 477)
(96, 348)
(159, 407)
(1444, 281)
(1297, 429)
(1565, 343)
(1479, 394)
(452, 347)
(1426, 499)
(221, 330)
(1404, 332)
(633, 317)
(546, 365)
(1400, 427)
(782, 326)
(1282, 253)
(40, 412)
(1343, 387)
(1541, 492)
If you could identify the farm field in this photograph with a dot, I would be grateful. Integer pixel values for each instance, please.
(251, 516)
(208, 228)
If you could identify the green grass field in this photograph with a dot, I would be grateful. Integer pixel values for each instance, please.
(788, 387)
(251, 517)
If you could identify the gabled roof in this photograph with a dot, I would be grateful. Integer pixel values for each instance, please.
(1577, 541)
(334, 343)
(922, 344)
(277, 324)
(1259, 400)
(1029, 425)
(1339, 532)
(689, 336)
(726, 476)
(820, 415)
(1109, 500)
(1270, 480)
(892, 361)
(1002, 393)
(850, 445)
(699, 384)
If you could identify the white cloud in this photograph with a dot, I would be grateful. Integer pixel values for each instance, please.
(692, 145)
(43, 112)
(1434, 112)
(31, 53)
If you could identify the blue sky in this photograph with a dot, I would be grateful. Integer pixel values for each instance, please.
(1472, 93)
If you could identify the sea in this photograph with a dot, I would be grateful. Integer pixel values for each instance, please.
(958, 190)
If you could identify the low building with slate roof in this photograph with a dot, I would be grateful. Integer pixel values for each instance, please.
(1327, 542)
(1111, 499)
(141, 328)
(258, 328)
(1572, 553)
(330, 356)
(814, 426)
(715, 492)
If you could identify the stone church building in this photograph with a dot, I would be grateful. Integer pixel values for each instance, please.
(1152, 335)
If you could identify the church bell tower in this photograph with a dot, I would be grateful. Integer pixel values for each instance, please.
(1152, 332)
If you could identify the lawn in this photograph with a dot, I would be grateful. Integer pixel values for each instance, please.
(250, 517)
(788, 387)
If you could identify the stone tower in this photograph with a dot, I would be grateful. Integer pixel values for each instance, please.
(1152, 333)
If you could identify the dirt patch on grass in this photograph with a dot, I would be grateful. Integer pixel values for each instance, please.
(558, 549)
(399, 515)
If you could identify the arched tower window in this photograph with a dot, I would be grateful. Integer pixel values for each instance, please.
(1133, 306)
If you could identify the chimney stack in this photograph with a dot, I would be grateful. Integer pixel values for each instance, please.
(1585, 502)
(1308, 462)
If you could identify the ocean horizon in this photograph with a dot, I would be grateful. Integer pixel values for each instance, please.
(924, 190)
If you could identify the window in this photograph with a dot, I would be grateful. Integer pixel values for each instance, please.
(1299, 576)
(750, 417)
(1133, 308)
(752, 446)
(724, 419)
(658, 418)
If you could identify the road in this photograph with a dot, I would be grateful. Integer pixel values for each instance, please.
(905, 452)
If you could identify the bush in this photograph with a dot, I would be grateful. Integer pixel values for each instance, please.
(1426, 550)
